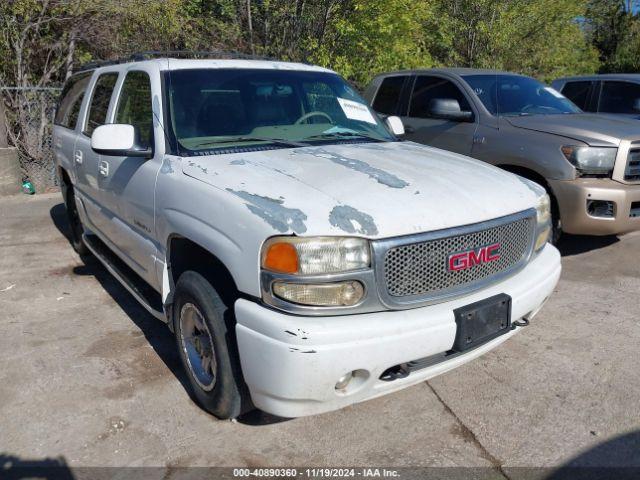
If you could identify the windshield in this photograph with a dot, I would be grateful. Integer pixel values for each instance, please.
(512, 95)
(228, 108)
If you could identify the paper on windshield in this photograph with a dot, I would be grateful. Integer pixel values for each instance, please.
(356, 111)
(554, 92)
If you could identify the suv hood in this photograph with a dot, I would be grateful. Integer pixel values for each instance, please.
(594, 130)
(374, 190)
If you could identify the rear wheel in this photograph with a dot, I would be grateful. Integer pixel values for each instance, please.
(207, 347)
(77, 230)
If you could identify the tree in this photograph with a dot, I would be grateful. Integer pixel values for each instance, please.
(542, 38)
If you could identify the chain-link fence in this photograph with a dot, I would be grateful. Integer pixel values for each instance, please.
(29, 115)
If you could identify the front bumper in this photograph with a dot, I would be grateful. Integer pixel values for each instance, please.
(572, 199)
(292, 363)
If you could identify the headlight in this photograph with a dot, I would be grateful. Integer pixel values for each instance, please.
(309, 256)
(543, 217)
(300, 270)
(591, 160)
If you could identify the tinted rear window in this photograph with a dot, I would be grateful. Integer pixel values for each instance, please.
(578, 93)
(619, 97)
(100, 101)
(71, 100)
(388, 96)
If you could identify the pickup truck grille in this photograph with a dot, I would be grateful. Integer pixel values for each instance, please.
(419, 271)
(632, 172)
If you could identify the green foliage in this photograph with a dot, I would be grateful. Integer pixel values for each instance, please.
(541, 38)
(42, 40)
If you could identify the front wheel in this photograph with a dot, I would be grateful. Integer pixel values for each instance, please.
(207, 347)
(556, 223)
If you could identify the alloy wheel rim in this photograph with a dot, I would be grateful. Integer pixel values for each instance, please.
(197, 345)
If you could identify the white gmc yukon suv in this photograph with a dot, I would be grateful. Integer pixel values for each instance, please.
(304, 257)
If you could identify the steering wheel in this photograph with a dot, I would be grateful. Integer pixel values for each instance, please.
(313, 114)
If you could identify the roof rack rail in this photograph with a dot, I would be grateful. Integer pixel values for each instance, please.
(151, 54)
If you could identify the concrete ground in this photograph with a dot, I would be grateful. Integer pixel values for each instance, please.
(88, 378)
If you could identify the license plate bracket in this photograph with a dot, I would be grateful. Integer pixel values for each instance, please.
(482, 321)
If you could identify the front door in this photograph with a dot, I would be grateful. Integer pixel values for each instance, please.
(422, 127)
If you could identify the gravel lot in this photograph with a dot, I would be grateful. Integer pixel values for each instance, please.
(88, 378)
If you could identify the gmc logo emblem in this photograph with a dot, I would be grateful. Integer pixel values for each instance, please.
(471, 258)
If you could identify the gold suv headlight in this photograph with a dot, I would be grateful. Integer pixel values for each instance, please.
(543, 217)
(305, 271)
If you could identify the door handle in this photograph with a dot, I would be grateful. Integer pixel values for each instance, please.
(78, 157)
(103, 168)
(409, 129)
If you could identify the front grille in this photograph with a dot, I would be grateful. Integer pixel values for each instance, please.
(422, 268)
(632, 172)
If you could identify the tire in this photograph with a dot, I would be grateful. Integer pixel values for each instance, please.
(200, 320)
(556, 223)
(75, 224)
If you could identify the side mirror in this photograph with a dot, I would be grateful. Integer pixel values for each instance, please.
(118, 140)
(395, 125)
(636, 104)
(448, 109)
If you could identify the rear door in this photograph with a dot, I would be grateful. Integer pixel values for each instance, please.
(66, 121)
(88, 168)
(128, 183)
(421, 127)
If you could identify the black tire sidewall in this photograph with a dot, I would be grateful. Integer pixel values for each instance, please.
(72, 215)
(225, 400)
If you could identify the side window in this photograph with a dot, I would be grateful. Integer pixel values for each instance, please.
(388, 96)
(135, 107)
(578, 93)
(100, 102)
(71, 99)
(428, 88)
(619, 97)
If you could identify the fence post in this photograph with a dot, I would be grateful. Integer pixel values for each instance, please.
(3, 126)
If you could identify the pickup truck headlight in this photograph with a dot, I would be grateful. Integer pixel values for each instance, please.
(591, 160)
(296, 262)
(543, 217)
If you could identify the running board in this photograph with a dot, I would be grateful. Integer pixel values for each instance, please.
(141, 291)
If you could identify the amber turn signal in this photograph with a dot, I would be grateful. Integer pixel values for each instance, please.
(281, 257)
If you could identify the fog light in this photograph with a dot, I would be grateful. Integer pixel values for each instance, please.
(601, 208)
(338, 294)
(343, 381)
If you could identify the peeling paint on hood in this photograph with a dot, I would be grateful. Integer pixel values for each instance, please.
(360, 189)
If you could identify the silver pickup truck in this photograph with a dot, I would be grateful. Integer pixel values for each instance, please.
(303, 256)
(589, 164)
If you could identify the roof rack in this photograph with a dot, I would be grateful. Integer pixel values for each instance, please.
(151, 54)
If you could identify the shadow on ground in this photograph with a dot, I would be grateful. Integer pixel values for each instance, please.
(157, 334)
(618, 458)
(570, 245)
(16, 468)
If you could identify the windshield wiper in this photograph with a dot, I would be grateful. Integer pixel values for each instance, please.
(343, 134)
(277, 141)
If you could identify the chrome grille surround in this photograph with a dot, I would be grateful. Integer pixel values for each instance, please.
(413, 270)
(632, 172)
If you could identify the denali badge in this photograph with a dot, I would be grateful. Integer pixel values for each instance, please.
(471, 258)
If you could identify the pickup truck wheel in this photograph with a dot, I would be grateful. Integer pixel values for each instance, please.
(556, 223)
(77, 230)
(207, 348)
